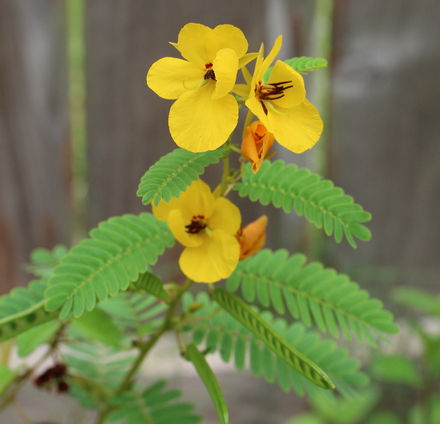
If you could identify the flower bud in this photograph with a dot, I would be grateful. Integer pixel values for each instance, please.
(252, 237)
(256, 143)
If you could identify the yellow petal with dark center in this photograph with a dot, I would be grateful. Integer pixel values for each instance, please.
(297, 129)
(225, 216)
(196, 200)
(214, 260)
(192, 42)
(176, 223)
(225, 67)
(169, 77)
(199, 123)
(293, 96)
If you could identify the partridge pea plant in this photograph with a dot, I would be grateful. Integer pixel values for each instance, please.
(100, 307)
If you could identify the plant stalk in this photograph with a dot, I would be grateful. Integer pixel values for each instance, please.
(145, 349)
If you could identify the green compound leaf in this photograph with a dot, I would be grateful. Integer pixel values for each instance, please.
(118, 251)
(323, 204)
(7, 377)
(44, 260)
(418, 300)
(173, 174)
(135, 312)
(303, 65)
(219, 331)
(98, 325)
(154, 405)
(23, 309)
(277, 344)
(95, 369)
(28, 341)
(210, 380)
(152, 284)
(311, 293)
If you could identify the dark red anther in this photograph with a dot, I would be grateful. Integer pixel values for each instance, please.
(209, 74)
(197, 224)
(273, 91)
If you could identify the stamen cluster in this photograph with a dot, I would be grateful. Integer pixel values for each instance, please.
(197, 224)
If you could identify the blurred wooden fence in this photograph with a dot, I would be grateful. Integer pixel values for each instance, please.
(385, 148)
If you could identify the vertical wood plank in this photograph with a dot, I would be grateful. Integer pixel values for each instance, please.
(386, 129)
(34, 154)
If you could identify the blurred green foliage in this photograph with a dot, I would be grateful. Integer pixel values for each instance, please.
(406, 385)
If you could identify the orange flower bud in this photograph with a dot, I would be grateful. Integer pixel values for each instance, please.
(256, 143)
(252, 237)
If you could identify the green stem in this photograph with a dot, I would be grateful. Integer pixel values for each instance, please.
(77, 95)
(5, 352)
(145, 349)
(323, 21)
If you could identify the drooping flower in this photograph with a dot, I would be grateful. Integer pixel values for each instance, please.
(256, 144)
(252, 237)
(206, 226)
(280, 103)
(204, 114)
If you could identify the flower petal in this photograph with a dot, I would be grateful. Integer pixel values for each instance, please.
(258, 76)
(229, 36)
(192, 42)
(244, 60)
(297, 129)
(253, 237)
(176, 223)
(242, 90)
(256, 144)
(170, 77)
(225, 216)
(255, 106)
(196, 200)
(225, 67)
(293, 96)
(199, 123)
(214, 260)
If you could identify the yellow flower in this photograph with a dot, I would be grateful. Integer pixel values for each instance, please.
(204, 114)
(252, 237)
(256, 144)
(206, 226)
(280, 103)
